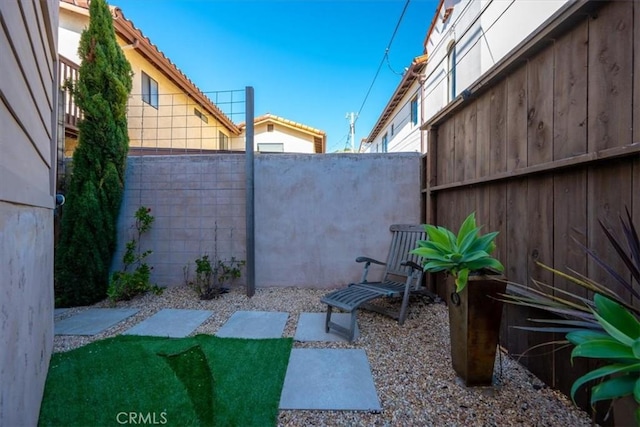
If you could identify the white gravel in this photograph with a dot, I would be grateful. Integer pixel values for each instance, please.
(411, 365)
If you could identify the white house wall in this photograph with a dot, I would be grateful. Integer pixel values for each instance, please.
(292, 141)
(503, 19)
(406, 135)
(483, 31)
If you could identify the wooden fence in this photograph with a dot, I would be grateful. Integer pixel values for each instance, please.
(542, 147)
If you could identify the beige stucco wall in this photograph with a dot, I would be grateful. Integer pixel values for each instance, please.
(173, 124)
(27, 188)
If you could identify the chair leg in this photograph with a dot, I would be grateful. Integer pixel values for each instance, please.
(403, 308)
(352, 331)
(328, 319)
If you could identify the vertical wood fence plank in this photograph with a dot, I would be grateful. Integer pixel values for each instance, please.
(516, 258)
(459, 138)
(610, 79)
(540, 108)
(445, 165)
(540, 249)
(517, 119)
(570, 93)
(498, 128)
(636, 73)
(570, 221)
(470, 132)
(609, 193)
(483, 136)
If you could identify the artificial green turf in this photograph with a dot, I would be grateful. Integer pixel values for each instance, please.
(112, 380)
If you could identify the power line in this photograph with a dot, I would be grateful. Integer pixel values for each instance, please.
(384, 57)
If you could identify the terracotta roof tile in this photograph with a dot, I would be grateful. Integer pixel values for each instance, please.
(128, 31)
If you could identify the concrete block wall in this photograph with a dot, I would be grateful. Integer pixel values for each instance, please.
(189, 197)
(313, 214)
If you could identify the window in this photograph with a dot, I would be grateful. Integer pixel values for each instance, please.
(223, 141)
(451, 72)
(271, 147)
(385, 143)
(269, 128)
(149, 90)
(414, 110)
(203, 117)
(392, 129)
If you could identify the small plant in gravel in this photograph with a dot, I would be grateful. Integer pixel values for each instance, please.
(213, 274)
(125, 284)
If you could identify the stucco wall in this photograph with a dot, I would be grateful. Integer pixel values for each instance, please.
(28, 127)
(314, 214)
(189, 196)
(26, 310)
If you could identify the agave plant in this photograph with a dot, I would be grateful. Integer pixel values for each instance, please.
(458, 255)
(605, 328)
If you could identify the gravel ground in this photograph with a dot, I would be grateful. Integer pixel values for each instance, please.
(411, 365)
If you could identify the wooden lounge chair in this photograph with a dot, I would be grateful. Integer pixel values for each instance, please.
(402, 276)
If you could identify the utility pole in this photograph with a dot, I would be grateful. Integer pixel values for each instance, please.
(352, 130)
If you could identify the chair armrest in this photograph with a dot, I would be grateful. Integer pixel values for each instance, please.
(369, 260)
(411, 264)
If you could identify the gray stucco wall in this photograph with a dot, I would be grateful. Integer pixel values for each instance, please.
(26, 310)
(314, 213)
(189, 197)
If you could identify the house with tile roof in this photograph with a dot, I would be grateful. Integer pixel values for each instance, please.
(464, 40)
(275, 134)
(167, 112)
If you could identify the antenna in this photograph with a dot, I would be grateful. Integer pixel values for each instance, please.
(352, 130)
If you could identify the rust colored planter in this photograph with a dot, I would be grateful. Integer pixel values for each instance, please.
(474, 320)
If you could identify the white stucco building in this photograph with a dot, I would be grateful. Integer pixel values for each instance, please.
(465, 39)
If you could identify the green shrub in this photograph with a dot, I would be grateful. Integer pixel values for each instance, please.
(210, 278)
(88, 229)
(124, 285)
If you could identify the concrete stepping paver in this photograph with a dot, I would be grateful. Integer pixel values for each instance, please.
(170, 322)
(92, 321)
(311, 327)
(329, 379)
(254, 324)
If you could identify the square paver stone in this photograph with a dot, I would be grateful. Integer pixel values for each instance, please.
(254, 324)
(92, 321)
(170, 322)
(329, 379)
(311, 327)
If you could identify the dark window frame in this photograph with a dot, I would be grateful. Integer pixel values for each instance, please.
(149, 90)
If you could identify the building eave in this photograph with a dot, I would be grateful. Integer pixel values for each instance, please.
(130, 34)
(408, 79)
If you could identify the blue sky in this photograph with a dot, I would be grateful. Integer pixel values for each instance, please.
(311, 61)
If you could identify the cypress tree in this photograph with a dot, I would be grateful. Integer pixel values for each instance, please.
(88, 232)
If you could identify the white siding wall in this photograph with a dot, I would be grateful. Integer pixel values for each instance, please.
(406, 135)
(292, 141)
(28, 104)
(483, 33)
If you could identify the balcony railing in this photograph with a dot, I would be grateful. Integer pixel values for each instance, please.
(68, 71)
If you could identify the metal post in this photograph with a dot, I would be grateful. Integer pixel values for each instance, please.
(250, 219)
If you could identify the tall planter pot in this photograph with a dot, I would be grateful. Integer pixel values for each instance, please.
(474, 318)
